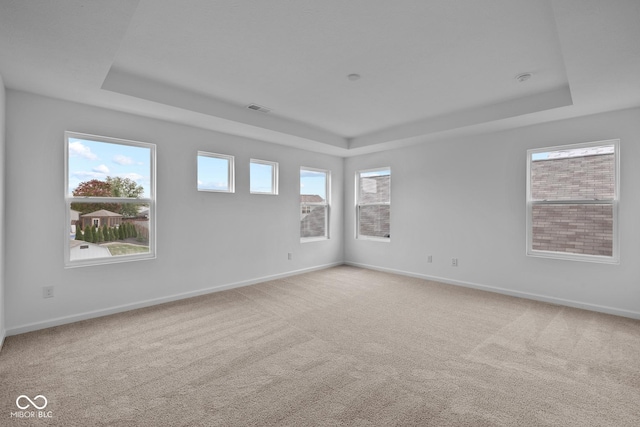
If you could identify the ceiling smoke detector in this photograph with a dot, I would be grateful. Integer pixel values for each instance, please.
(257, 107)
(523, 77)
(354, 77)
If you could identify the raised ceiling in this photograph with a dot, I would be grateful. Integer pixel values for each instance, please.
(429, 69)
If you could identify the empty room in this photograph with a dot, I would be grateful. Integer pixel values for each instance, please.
(320, 213)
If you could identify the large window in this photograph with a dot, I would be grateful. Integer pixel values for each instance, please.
(215, 172)
(263, 177)
(110, 200)
(373, 199)
(314, 204)
(572, 201)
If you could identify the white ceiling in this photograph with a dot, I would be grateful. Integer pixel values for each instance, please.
(430, 69)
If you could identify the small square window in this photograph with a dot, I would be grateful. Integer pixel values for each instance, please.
(215, 172)
(263, 177)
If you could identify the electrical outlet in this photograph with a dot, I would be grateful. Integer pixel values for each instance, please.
(289, 256)
(430, 258)
(47, 292)
(454, 262)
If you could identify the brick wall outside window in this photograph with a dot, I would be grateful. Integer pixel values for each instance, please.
(579, 229)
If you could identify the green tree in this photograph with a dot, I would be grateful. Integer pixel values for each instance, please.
(121, 232)
(94, 188)
(99, 235)
(95, 234)
(88, 234)
(126, 187)
(79, 235)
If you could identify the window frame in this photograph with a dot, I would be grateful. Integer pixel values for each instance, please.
(614, 202)
(274, 177)
(358, 205)
(69, 199)
(231, 176)
(326, 204)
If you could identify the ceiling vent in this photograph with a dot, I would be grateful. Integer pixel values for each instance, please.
(257, 107)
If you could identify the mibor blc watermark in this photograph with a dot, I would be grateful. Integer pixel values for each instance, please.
(31, 408)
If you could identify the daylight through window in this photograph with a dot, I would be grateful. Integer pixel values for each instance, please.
(373, 189)
(215, 172)
(314, 204)
(572, 201)
(263, 177)
(110, 200)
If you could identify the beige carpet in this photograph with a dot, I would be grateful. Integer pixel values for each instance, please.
(342, 346)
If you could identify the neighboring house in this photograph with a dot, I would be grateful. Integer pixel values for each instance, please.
(101, 218)
(308, 198)
(574, 174)
(86, 250)
(374, 219)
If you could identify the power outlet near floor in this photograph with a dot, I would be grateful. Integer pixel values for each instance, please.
(289, 256)
(47, 292)
(429, 258)
(454, 262)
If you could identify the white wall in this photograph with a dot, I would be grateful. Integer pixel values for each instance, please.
(465, 198)
(2, 229)
(204, 240)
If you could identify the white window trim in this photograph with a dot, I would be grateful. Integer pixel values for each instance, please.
(274, 177)
(150, 201)
(615, 258)
(326, 204)
(359, 236)
(231, 171)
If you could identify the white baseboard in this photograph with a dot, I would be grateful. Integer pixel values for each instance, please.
(147, 303)
(537, 297)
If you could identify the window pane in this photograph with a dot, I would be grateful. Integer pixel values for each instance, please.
(586, 173)
(374, 186)
(578, 229)
(214, 173)
(108, 169)
(313, 221)
(105, 230)
(261, 177)
(314, 185)
(374, 220)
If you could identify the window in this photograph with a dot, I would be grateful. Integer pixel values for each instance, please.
(215, 172)
(373, 205)
(110, 200)
(263, 177)
(572, 201)
(314, 204)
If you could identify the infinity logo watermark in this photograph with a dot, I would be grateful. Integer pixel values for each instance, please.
(25, 402)
(35, 405)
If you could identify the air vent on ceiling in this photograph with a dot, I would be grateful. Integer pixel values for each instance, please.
(257, 107)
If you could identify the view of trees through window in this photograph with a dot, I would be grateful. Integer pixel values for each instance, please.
(109, 198)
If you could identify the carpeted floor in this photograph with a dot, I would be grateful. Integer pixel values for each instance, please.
(342, 346)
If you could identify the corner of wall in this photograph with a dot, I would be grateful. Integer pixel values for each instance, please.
(2, 181)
